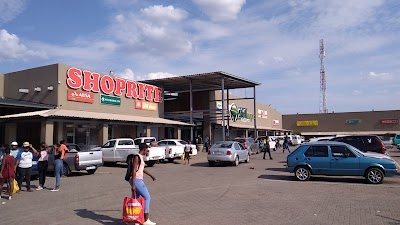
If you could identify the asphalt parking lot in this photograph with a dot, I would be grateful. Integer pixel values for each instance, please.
(198, 194)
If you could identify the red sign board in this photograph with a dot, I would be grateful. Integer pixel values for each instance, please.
(93, 82)
(80, 96)
(390, 121)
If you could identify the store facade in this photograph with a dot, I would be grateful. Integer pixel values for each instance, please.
(88, 108)
(325, 124)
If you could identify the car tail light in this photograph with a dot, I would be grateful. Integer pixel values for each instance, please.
(209, 152)
(77, 158)
(229, 152)
(170, 151)
(383, 148)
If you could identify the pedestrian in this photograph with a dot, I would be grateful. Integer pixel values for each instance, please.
(267, 148)
(15, 149)
(43, 164)
(7, 172)
(24, 162)
(206, 142)
(59, 154)
(187, 151)
(138, 186)
(286, 144)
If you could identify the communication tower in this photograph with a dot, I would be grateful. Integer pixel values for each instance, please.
(322, 97)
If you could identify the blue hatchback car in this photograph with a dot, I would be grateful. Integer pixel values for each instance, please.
(339, 159)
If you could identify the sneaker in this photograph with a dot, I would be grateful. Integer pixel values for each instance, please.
(55, 189)
(9, 197)
(148, 222)
(39, 188)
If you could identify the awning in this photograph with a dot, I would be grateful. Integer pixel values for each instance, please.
(79, 114)
(21, 103)
(347, 132)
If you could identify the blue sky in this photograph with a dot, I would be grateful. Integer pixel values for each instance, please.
(274, 42)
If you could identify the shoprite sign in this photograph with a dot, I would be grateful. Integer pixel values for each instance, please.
(110, 100)
(92, 82)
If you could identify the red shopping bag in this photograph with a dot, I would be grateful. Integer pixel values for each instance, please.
(133, 211)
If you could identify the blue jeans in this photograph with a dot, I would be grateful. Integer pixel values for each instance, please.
(141, 190)
(267, 149)
(58, 170)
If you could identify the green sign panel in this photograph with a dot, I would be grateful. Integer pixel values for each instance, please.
(110, 100)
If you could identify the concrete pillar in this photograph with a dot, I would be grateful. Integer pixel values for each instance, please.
(177, 132)
(148, 131)
(161, 133)
(103, 134)
(11, 133)
(246, 133)
(60, 133)
(47, 132)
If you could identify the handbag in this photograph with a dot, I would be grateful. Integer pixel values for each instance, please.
(133, 210)
(16, 187)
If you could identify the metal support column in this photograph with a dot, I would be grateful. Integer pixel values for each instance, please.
(223, 108)
(229, 115)
(191, 109)
(255, 112)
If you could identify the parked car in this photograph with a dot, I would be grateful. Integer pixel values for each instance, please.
(396, 139)
(118, 149)
(156, 152)
(76, 159)
(174, 148)
(296, 139)
(271, 141)
(339, 159)
(365, 143)
(228, 151)
(387, 141)
(249, 143)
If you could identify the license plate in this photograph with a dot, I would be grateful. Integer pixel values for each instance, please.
(217, 153)
(90, 168)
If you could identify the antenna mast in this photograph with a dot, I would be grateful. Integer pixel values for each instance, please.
(322, 97)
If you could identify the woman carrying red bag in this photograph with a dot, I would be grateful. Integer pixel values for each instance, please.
(138, 186)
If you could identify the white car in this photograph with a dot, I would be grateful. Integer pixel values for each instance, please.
(174, 148)
(271, 141)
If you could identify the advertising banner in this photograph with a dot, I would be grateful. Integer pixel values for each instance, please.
(80, 96)
(307, 123)
(110, 100)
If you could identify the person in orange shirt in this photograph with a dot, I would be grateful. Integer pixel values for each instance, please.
(59, 154)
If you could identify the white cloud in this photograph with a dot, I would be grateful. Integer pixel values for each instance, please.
(164, 14)
(10, 9)
(261, 62)
(357, 92)
(278, 59)
(12, 48)
(379, 76)
(159, 75)
(222, 9)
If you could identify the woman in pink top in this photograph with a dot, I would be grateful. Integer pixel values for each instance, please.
(43, 164)
(137, 184)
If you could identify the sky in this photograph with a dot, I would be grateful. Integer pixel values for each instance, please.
(274, 43)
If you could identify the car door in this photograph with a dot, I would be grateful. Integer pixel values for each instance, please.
(244, 150)
(344, 162)
(238, 151)
(108, 151)
(318, 158)
(123, 148)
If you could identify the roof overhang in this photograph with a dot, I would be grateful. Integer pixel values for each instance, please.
(20, 103)
(202, 82)
(329, 133)
(78, 114)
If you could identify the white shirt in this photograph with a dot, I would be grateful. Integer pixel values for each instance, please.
(26, 159)
(187, 148)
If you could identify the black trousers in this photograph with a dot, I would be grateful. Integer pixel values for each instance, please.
(43, 165)
(24, 173)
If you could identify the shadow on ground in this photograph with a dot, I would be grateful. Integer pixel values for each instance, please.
(102, 219)
(283, 169)
(315, 178)
(393, 221)
(205, 164)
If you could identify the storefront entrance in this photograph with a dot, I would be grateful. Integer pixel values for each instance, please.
(84, 135)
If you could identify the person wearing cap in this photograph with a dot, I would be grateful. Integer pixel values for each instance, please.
(137, 184)
(15, 149)
(24, 164)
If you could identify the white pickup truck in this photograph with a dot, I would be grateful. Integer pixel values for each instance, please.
(117, 150)
(156, 153)
(174, 148)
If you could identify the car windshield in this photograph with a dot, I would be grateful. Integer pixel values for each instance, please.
(240, 140)
(356, 150)
(223, 145)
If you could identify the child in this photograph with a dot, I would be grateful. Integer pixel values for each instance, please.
(187, 150)
(7, 172)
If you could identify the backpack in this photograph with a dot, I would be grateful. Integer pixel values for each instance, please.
(129, 170)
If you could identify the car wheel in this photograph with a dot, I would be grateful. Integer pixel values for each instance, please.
(171, 160)
(211, 163)
(247, 159)
(91, 171)
(66, 170)
(302, 173)
(236, 162)
(151, 163)
(374, 176)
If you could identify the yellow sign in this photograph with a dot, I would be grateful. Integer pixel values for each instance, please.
(307, 123)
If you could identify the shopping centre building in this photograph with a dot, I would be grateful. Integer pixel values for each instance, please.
(56, 102)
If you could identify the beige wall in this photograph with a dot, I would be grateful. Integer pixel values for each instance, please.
(42, 77)
(336, 122)
(127, 105)
(1, 85)
(248, 103)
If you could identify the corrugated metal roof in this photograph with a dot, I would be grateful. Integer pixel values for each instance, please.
(20, 103)
(203, 81)
(93, 115)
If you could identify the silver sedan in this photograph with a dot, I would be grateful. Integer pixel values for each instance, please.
(228, 151)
